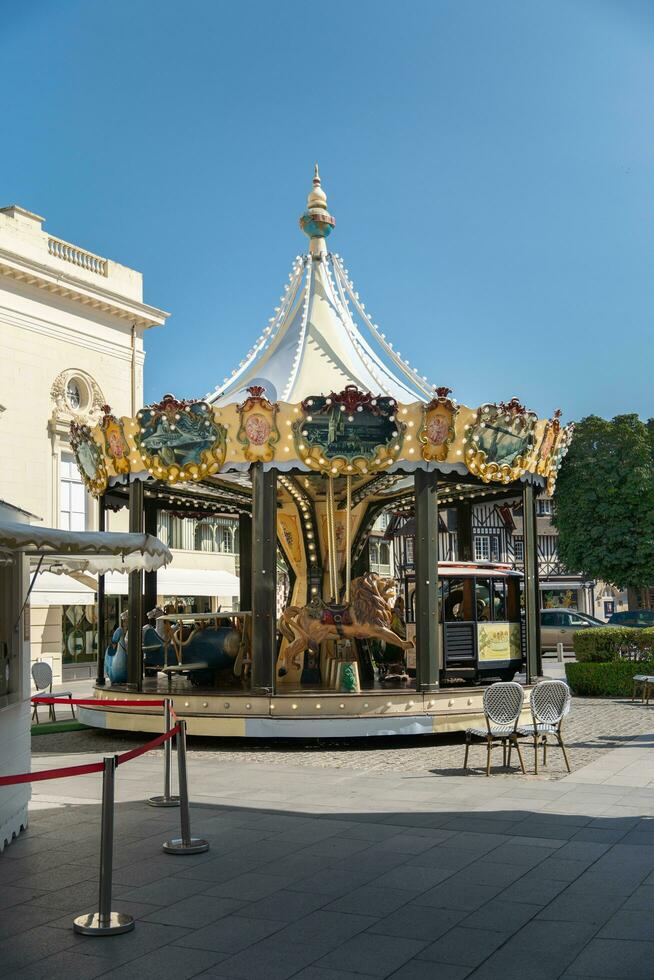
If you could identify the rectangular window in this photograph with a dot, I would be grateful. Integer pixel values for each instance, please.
(544, 506)
(482, 548)
(72, 496)
(519, 549)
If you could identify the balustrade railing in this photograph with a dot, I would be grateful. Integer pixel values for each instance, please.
(78, 256)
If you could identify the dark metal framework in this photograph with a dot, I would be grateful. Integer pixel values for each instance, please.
(257, 515)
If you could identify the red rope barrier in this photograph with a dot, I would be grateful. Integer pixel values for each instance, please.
(29, 777)
(142, 749)
(33, 777)
(44, 699)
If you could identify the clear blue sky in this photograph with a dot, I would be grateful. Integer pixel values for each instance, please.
(489, 164)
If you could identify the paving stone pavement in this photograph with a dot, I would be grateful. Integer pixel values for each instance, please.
(594, 726)
(399, 868)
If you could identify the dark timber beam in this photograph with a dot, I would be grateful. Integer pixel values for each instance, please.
(428, 632)
(245, 561)
(102, 639)
(135, 594)
(532, 598)
(264, 578)
(464, 530)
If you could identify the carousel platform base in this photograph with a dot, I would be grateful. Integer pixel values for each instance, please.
(295, 714)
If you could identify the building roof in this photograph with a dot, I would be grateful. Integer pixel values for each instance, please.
(321, 338)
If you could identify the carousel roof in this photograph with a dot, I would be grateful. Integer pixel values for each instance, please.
(321, 338)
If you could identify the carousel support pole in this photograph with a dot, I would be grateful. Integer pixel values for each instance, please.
(150, 578)
(135, 594)
(464, 530)
(532, 597)
(264, 578)
(428, 631)
(99, 677)
(245, 561)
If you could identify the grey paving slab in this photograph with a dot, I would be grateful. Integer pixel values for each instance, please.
(325, 928)
(250, 887)
(286, 906)
(449, 895)
(168, 963)
(337, 880)
(501, 916)
(615, 958)
(371, 899)
(533, 890)
(372, 954)
(641, 899)
(418, 922)
(632, 924)
(194, 912)
(230, 934)
(63, 966)
(275, 960)
(465, 947)
(426, 970)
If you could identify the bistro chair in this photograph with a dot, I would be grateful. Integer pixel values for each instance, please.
(42, 677)
(502, 706)
(550, 703)
(643, 685)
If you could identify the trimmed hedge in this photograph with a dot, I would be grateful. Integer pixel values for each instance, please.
(604, 644)
(606, 680)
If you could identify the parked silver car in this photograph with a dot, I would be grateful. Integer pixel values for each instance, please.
(560, 626)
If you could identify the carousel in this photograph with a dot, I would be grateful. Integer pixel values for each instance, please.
(323, 427)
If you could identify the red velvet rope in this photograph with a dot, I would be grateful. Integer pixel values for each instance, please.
(43, 699)
(142, 749)
(33, 777)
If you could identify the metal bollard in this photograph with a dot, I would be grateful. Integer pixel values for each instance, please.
(184, 844)
(167, 799)
(105, 922)
(559, 652)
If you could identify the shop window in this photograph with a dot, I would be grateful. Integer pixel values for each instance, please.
(79, 634)
(72, 496)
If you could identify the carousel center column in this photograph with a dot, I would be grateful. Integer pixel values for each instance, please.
(264, 578)
(428, 631)
(101, 620)
(135, 594)
(532, 597)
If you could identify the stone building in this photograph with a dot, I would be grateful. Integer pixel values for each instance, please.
(71, 336)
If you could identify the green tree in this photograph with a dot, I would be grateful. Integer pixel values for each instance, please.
(604, 501)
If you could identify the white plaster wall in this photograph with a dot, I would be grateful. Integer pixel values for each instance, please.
(43, 334)
(14, 717)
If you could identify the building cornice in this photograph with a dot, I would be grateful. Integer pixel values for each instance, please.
(35, 273)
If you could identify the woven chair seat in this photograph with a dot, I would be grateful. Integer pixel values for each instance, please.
(541, 729)
(499, 732)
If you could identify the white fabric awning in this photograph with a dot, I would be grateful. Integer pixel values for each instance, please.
(61, 590)
(87, 551)
(184, 582)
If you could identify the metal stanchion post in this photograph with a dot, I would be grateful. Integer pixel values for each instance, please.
(105, 922)
(167, 799)
(184, 844)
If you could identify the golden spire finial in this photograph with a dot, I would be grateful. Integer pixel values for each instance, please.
(317, 222)
(317, 198)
